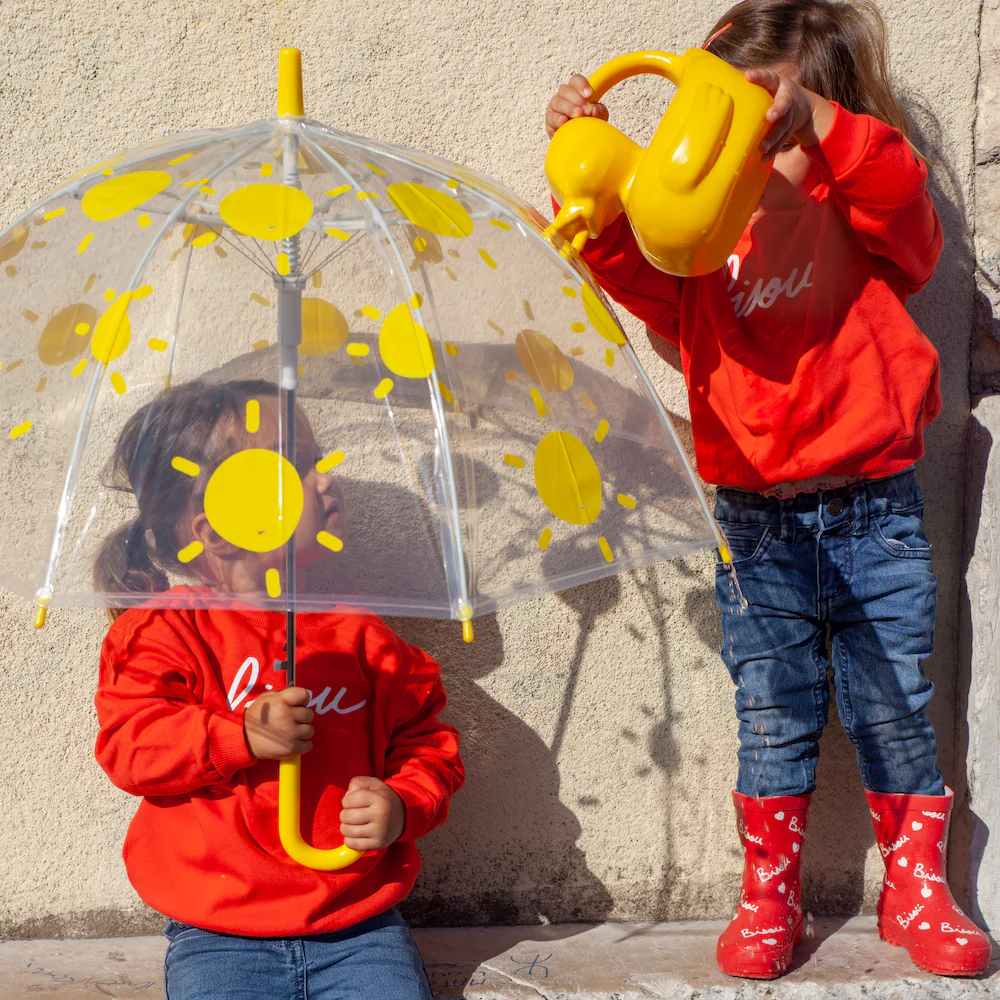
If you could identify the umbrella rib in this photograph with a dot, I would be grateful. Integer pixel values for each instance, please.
(253, 260)
(437, 402)
(71, 186)
(533, 233)
(310, 250)
(247, 251)
(45, 591)
(177, 315)
(263, 253)
(332, 255)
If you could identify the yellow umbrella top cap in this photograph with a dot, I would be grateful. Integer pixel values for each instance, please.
(290, 84)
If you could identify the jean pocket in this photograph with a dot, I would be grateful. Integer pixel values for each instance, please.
(902, 534)
(747, 542)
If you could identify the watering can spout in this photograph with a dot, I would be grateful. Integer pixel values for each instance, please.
(690, 195)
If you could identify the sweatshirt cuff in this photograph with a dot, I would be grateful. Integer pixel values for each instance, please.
(420, 807)
(844, 146)
(227, 745)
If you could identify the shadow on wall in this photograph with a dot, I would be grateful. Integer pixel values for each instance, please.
(968, 847)
(958, 264)
(973, 834)
(508, 854)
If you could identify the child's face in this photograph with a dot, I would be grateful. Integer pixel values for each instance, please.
(323, 511)
(323, 506)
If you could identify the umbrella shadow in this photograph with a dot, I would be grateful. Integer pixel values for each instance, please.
(960, 262)
(508, 854)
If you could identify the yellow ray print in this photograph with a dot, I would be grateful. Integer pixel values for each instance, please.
(324, 465)
(329, 541)
(189, 552)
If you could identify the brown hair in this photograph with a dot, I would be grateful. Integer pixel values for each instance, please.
(838, 47)
(199, 421)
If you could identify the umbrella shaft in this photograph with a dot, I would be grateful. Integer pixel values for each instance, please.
(288, 447)
(289, 337)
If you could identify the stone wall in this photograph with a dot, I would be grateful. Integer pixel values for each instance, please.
(978, 852)
(600, 738)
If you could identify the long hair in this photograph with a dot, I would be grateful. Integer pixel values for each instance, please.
(838, 47)
(199, 421)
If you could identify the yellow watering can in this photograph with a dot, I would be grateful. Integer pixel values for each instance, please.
(690, 195)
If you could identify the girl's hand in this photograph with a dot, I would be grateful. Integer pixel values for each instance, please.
(277, 724)
(373, 815)
(571, 101)
(797, 115)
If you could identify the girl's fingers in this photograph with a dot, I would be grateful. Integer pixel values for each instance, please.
(294, 696)
(357, 800)
(304, 732)
(355, 817)
(362, 843)
(573, 94)
(560, 106)
(764, 78)
(570, 101)
(302, 714)
(777, 139)
(784, 101)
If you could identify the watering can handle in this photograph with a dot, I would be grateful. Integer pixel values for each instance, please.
(632, 64)
(289, 802)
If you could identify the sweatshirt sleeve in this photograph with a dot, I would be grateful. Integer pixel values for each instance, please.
(422, 763)
(881, 188)
(155, 737)
(621, 270)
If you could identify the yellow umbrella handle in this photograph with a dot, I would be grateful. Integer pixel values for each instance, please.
(289, 803)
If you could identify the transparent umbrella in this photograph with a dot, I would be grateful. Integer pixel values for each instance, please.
(492, 433)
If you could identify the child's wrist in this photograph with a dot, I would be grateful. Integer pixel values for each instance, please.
(246, 740)
(820, 121)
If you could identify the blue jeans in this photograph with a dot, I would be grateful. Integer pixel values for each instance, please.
(376, 958)
(837, 578)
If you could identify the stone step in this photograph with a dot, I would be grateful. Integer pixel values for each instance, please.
(842, 959)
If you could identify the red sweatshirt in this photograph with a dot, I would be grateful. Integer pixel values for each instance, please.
(203, 846)
(800, 358)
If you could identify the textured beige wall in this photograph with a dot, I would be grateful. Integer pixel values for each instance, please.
(979, 729)
(599, 730)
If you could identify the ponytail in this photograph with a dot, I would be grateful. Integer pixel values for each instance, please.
(200, 421)
(125, 564)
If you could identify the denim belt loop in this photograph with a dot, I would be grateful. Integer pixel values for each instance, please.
(860, 509)
(787, 516)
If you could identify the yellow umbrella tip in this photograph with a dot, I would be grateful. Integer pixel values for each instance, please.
(290, 83)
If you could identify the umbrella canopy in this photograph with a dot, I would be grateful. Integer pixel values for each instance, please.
(491, 430)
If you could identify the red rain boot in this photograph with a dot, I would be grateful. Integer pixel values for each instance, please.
(916, 910)
(768, 924)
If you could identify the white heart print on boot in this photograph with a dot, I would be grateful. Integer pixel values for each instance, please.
(925, 921)
(758, 943)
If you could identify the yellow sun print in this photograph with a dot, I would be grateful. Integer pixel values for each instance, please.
(254, 499)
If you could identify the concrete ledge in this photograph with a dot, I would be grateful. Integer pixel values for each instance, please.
(841, 959)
